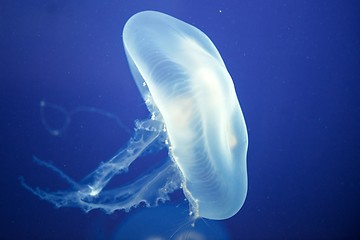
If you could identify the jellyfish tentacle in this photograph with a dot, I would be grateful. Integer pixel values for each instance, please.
(68, 114)
(57, 170)
(143, 137)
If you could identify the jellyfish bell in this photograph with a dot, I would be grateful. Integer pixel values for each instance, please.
(193, 105)
(193, 92)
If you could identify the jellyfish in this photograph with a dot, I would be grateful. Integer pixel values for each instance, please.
(194, 113)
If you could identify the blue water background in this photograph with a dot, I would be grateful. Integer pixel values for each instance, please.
(296, 70)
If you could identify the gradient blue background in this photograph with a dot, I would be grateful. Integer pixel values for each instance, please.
(296, 69)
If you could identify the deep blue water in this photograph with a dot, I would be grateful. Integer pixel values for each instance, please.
(296, 70)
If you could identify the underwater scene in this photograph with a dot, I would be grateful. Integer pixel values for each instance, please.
(180, 119)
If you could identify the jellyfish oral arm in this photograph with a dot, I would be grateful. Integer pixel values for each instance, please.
(99, 178)
(90, 194)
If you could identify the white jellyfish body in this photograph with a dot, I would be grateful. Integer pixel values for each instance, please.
(191, 88)
(193, 105)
